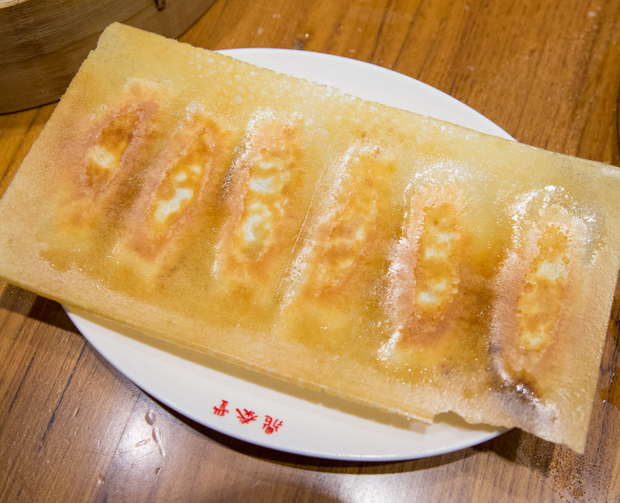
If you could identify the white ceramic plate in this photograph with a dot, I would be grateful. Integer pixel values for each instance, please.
(263, 410)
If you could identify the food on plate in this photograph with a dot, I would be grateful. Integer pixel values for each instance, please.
(388, 258)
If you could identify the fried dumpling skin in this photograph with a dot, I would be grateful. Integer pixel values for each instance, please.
(389, 258)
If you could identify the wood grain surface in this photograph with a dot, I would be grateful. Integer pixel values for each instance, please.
(72, 428)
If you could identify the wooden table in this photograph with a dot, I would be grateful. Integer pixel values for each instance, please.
(72, 428)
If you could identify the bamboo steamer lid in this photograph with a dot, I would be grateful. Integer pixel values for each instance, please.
(43, 42)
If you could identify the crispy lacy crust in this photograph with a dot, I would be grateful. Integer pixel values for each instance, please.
(388, 258)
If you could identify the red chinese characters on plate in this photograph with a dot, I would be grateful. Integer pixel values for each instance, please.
(221, 410)
(271, 425)
(246, 416)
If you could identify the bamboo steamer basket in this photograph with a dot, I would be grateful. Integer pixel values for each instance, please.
(43, 42)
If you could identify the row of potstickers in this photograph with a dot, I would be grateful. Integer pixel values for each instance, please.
(147, 181)
(328, 253)
(415, 290)
(507, 332)
(161, 194)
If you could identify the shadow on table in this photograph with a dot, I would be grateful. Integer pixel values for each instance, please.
(24, 302)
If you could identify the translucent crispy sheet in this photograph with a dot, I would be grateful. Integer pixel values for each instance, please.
(363, 250)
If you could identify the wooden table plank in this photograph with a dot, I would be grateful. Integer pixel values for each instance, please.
(59, 418)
